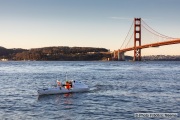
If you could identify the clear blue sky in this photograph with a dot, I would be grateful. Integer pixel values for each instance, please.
(86, 23)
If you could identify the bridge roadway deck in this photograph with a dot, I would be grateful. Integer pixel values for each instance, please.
(169, 42)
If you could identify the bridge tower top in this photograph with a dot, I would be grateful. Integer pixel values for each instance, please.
(137, 39)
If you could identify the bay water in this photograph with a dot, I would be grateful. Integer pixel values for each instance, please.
(118, 90)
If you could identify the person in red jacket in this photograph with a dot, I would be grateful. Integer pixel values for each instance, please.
(68, 86)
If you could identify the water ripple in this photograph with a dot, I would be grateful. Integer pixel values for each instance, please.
(117, 90)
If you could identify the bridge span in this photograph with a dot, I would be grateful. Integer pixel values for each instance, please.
(138, 46)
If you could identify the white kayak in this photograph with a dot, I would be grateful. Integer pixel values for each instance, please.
(60, 89)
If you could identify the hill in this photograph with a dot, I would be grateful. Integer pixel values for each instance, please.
(59, 53)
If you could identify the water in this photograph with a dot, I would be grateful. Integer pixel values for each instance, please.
(118, 90)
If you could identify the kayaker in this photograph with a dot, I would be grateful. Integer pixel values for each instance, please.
(58, 83)
(68, 86)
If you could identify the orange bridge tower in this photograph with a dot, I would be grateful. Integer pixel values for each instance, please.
(137, 39)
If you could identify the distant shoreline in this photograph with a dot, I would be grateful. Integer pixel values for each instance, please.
(65, 53)
(161, 58)
(58, 53)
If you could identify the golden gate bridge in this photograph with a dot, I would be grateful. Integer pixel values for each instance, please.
(144, 37)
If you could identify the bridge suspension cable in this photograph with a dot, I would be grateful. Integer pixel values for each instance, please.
(129, 40)
(148, 28)
(127, 37)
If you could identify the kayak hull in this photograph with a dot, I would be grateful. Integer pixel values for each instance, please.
(76, 87)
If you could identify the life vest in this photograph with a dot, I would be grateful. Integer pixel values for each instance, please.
(68, 86)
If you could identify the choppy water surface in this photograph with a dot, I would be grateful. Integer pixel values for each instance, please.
(118, 90)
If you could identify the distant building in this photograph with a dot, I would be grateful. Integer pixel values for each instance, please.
(4, 59)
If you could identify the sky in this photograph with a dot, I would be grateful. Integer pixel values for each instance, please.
(85, 23)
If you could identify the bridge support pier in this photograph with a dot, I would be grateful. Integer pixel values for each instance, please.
(121, 56)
